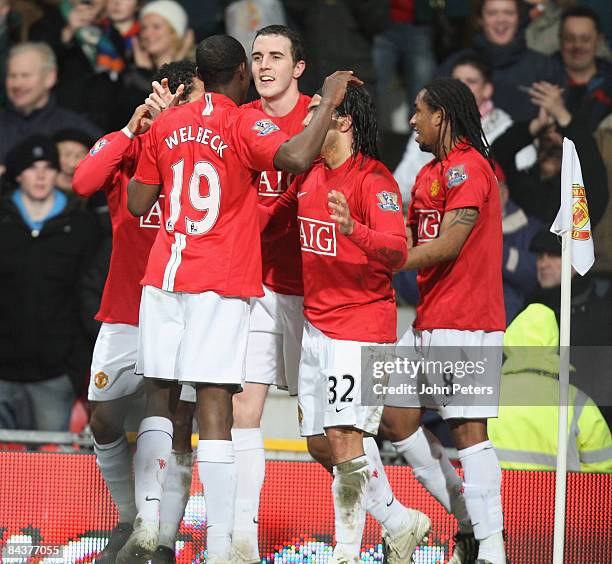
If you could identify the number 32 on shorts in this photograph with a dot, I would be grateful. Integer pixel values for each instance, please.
(340, 387)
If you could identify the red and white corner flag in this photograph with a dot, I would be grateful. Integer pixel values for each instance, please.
(573, 214)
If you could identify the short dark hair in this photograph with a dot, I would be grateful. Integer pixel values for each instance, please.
(218, 58)
(297, 46)
(477, 62)
(177, 73)
(580, 12)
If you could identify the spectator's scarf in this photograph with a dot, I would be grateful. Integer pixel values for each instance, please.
(97, 47)
(111, 59)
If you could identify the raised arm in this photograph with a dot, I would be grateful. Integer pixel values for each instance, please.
(298, 153)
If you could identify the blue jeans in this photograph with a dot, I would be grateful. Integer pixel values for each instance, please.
(40, 406)
(407, 49)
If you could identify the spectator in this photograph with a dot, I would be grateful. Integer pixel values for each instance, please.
(337, 35)
(536, 190)
(72, 147)
(525, 432)
(474, 73)
(85, 81)
(586, 78)
(519, 264)
(164, 37)
(121, 27)
(591, 316)
(406, 46)
(32, 73)
(514, 66)
(9, 36)
(603, 233)
(45, 240)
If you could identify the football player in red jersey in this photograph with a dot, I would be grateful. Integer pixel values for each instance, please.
(203, 267)
(454, 219)
(349, 306)
(277, 319)
(109, 166)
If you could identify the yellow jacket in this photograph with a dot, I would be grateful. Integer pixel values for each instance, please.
(525, 433)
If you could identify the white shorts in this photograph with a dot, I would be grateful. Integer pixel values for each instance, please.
(329, 391)
(275, 340)
(113, 363)
(192, 338)
(188, 393)
(468, 389)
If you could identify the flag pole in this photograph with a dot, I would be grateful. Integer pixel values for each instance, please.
(564, 342)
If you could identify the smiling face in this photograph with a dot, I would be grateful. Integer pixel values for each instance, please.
(473, 79)
(272, 66)
(500, 21)
(426, 124)
(579, 43)
(28, 83)
(156, 35)
(38, 180)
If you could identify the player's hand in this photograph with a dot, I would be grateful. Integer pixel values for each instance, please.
(340, 212)
(161, 98)
(334, 87)
(141, 120)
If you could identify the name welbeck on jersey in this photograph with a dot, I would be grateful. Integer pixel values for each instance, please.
(203, 136)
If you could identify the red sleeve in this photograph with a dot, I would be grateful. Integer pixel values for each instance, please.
(467, 186)
(257, 139)
(147, 171)
(98, 169)
(381, 234)
(281, 211)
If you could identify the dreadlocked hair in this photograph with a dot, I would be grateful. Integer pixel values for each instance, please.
(461, 114)
(359, 106)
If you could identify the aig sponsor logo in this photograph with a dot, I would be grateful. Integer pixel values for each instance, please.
(274, 183)
(152, 219)
(317, 236)
(429, 225)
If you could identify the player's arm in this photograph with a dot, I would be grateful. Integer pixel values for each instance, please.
(282, 210)
(455, 228)
(141, 197)
(297, 153)
(385, 246)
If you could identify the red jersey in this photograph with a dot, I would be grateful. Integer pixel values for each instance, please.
(206, 154)
(109, 166)
(347, 280)
(465, 293)
(281, 257)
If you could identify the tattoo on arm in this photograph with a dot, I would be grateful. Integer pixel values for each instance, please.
(463, 216)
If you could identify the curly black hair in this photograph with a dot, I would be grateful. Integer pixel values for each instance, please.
(177, 73)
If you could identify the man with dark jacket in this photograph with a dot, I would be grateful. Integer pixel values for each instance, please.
(31, 75)
(515, 67)
(45, 240)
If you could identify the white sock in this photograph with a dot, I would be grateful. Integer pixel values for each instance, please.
(250, 471)
(115, 463)
(482, 492)
(175, 497)
(218, 476)
(432, 468)
(380, 501)
(153, 448)
(349, 490)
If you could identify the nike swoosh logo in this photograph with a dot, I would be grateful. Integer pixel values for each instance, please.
(256, 521)
(152, 498)
(300, 194)
(392, 500)
(339, 410)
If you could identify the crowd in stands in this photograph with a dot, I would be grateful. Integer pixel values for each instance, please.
(72, 70)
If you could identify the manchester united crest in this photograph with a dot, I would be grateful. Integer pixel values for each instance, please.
(100, 380)
(580, 214)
